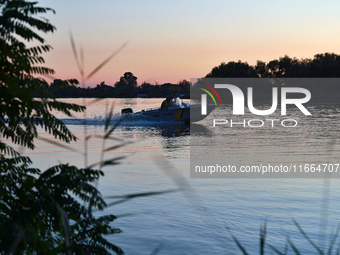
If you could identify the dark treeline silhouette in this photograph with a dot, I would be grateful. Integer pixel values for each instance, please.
(125, 87)
(322, 65)
(326, 65)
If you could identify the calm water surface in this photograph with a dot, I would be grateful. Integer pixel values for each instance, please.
(194, 222)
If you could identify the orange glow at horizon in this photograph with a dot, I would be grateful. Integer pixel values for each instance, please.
(167, 43)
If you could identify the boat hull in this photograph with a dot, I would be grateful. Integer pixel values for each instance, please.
(188, 114)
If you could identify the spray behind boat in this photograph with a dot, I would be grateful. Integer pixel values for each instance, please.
(177, 110)
(177, 99)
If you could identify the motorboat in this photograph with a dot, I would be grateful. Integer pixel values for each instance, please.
(177, 111)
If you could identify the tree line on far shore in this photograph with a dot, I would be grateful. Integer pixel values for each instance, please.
(326, 65)
(322, 65)
(125, 87)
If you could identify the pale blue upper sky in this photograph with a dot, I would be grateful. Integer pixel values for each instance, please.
(173, 40)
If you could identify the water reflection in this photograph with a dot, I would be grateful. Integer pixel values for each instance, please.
(241, 202)
(181, 129)
(174, 130)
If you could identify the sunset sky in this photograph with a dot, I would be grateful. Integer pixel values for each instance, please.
(173, 40)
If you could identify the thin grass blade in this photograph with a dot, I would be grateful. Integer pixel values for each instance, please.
(142, 194)
(113, 128)
(157, 249)
(60, 145)
(132, 196)
(338, 250)
(75, 54)
(102, 137)
(263, 233)
(116, 146)
(307, 237)
(106, 60)
(239, 245)
(108, 119)
(334, 238)
(293, 247)
(195, 200)
(286, 245)
(130, 214)
(112, 161)
(66, 228)
(82, 63)
(275, 250)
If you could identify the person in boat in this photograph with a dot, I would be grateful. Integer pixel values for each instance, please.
(172, 102)
(165, 103)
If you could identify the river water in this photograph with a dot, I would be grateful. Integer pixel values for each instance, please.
(195, 220)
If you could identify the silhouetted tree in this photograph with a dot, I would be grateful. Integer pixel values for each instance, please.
(146, 88)
(233, 69)
(261, 69)
(285, 67)
(127, 80)
(126, 86)
(324, 65)
(184, 83)
(102, 90)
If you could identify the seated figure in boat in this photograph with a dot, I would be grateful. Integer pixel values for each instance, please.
(172, 102)
(176, 102)
(166, 103)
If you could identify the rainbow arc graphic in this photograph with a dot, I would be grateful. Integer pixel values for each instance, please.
(209, 93)
(204, 98)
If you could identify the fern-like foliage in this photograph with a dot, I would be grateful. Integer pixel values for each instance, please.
(40, 212)
(45, 212)
(20, 112)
